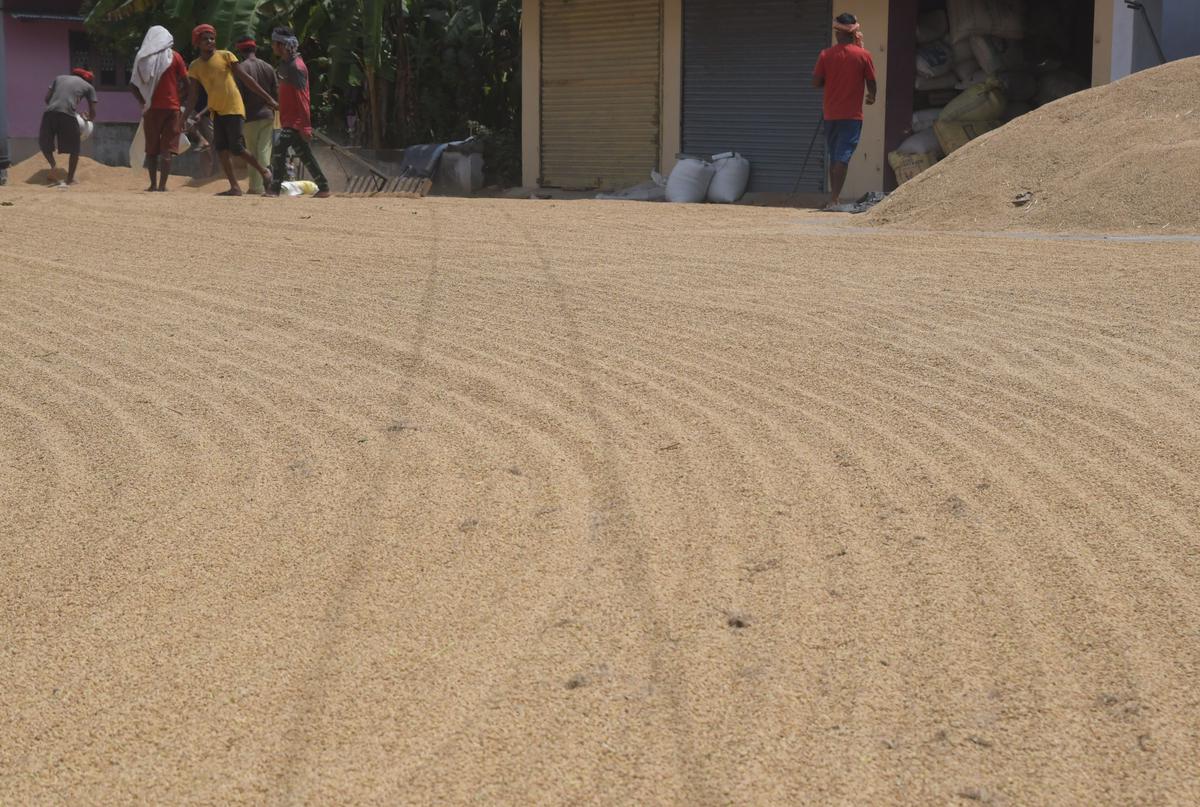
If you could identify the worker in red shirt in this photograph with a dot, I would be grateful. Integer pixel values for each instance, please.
(842, 71)
(295, 115)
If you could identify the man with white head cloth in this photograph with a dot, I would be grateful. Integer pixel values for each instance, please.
(159, 74)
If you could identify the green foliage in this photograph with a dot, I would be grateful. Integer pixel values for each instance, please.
(405, 71)
(122, 20)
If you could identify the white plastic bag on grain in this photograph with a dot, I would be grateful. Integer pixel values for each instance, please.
(689, 181)
(935, 59)
(923, 142)
(925, 118)
(646, 192)
(932, 26)
(653, 191)
(303, 187)
(730, 178)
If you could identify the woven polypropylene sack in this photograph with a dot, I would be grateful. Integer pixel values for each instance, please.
(730, 178)
(689, 180)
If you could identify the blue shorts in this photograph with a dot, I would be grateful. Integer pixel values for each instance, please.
(841, 139)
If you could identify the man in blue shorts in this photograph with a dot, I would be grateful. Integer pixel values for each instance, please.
(843, 70)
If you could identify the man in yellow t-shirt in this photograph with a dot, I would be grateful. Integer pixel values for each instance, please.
(215, 70)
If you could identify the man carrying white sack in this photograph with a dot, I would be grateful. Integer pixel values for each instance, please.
(159, 74)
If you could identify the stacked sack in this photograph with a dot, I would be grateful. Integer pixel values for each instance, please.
(921, 150)
(977, 110)
(989, 61)
(989, 42)
(722, 180)
(963, 53)
(977, 69)
(935, 83)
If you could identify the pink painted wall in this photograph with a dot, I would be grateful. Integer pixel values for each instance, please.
(36, 53)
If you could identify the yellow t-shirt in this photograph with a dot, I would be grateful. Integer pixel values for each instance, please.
(216, 75)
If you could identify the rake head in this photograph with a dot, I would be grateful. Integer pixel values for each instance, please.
(371, 185)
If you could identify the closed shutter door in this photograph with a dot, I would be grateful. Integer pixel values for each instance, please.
(747, 85)
(600, 92)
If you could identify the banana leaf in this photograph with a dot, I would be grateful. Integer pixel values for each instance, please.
(233, 18)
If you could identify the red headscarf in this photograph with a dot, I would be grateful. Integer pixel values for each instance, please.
(86, 75)
(855, 29)
(203, 28)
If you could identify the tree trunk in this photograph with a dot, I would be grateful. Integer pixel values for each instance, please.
(403, 80)
(373, 101)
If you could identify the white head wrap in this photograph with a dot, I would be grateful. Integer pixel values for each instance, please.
(152, 60)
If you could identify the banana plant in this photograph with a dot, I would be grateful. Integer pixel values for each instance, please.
(231, 18)
(409, 70)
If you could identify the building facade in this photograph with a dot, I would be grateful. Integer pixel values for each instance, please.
(41, 39)
(615, 88)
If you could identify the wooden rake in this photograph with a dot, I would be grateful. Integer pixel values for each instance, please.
(374, 182)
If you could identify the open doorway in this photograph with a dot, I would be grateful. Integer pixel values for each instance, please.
(981, 64)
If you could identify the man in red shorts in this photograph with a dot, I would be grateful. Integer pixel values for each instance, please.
(159, 73)
(843, 71)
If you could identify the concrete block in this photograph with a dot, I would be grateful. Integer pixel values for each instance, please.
(459, 174)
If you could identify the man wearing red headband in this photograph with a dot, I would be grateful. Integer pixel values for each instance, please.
(260, 118)
(843, 71)
(218, 71)
(295, 114)
(158, 76)
(60, 126)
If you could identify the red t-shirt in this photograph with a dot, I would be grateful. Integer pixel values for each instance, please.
(294, 111)
(846, 69)
(166, 92)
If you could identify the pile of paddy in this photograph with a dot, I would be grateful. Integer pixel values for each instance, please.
(1123, 158)
(90, 175)
(95, 176)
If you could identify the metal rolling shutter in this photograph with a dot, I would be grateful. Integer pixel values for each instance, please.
(601, 67)
(747, 85)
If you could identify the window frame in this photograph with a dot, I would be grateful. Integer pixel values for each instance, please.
(83, 52)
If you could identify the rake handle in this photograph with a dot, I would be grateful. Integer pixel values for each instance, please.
(349, 156)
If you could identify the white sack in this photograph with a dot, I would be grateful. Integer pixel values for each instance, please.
(935, 59)
(689, 181)
(925, 118)
(730, 178)
(924, 142)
